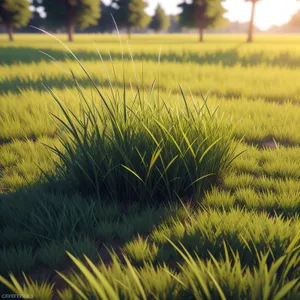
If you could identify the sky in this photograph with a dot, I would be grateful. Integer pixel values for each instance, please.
(268, 12)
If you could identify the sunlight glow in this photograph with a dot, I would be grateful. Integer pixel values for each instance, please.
(268, 12)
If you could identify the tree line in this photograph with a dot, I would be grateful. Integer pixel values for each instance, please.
(129, 14)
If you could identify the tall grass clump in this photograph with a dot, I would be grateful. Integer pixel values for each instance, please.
(194, 278)
(133, 147)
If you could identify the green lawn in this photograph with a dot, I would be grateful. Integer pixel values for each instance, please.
(236, 239)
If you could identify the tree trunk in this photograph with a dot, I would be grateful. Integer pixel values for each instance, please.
(201, 40)
(10, 32)
(70, 32)
(129, 32)
(201, 29)
(251, 24)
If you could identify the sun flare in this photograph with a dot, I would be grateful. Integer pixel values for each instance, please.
(268, 12)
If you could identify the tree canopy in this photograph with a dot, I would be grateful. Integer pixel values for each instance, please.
(174, 24)
(14, 14)
(202, 14)
(106, 22)
(131, 14)
(72, 13)
(294, 21)
(160, 21)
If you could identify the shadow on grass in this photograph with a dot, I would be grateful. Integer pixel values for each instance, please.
(40, 222)
(18, 85)
(229, 58)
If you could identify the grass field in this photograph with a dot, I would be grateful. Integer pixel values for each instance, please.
(236, 239)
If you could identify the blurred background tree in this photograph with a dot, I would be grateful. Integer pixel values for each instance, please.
(95, 16)
(294, 23)
(14, 14)
(174, 24)
(251, 23)
(160, 21)
(71, 14)
(38, 16)
(105, 23)
(131, 14)
(202, 14)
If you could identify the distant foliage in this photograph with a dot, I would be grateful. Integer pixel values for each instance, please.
(160, 21)
(105, 23)
(14, 14)
(202, 14)
(131, 14)
(37, 20)
(174, 24)
(72, 13)
(295, 21)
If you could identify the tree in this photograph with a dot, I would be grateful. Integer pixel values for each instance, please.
(130, 14)
(72, 13)
(160, 21)
(174, 24)
(38, 16)
(202, 14)
(251, 23)
(14, 14)
(106, 24)
(294, 22)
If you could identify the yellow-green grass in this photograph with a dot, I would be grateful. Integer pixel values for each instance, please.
(261, 81)
(27, 114)
(254, 207)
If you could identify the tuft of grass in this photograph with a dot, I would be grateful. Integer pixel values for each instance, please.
(106, 230)
(52, 254)
(131, 148)
(30, 288)
(14, 235)
(219, 198)
(140, 250)
(126, 230)
(226, 278)
(82, 246)
(66, 294)
(145, 219)
(17, 259)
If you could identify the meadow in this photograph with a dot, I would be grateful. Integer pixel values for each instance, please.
(236, 237)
